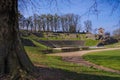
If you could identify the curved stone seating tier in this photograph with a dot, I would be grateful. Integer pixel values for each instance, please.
(27, 42)
(62, 43)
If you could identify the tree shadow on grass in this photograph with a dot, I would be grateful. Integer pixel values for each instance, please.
(59, 74)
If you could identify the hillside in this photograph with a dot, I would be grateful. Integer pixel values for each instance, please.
(56, 66)
(50, 36)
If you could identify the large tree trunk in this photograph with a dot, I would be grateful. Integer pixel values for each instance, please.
(13, 57)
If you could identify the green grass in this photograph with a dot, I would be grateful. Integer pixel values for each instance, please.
(109, 59)
(38, 45)
(58, 37)
(70, 70)
(74, 71)
(90, 42)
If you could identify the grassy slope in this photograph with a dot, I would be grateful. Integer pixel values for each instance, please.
(57, 63)
(78, 71)
(109, 59)
(88, 42)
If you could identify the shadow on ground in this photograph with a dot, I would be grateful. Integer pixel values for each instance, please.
(58, 74)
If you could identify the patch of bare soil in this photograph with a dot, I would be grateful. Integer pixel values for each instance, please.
(81, 61)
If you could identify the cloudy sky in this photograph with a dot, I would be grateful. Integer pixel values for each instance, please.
(104, 18)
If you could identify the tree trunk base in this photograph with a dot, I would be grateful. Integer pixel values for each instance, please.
(22, 75)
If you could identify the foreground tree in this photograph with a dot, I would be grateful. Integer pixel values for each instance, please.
(13, 58)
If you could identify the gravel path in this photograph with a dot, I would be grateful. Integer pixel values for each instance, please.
(80, 53)
(76, 57)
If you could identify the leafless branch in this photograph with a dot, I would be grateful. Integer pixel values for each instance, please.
(93, 9)
(115, 5)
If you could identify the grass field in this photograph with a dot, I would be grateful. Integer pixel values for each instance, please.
(109, 59)
(70, 70)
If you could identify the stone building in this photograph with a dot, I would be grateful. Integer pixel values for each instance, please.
(101, 33)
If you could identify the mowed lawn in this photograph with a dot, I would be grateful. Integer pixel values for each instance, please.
(70, 70)
(109, 59)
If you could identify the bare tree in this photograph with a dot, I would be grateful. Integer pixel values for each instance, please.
(117, 31)
(88, 25)
(27, 23)
(31, 23)
(43, 20)
(73, 22)
(35, 16)
(21, 21)
(62, 20)
(39, 23)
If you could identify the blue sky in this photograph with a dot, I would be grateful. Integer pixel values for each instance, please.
(105, 19)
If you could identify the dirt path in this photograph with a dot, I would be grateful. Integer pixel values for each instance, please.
(76, 57)
(80, 53)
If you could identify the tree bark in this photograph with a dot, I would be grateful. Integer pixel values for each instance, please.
(13, 57)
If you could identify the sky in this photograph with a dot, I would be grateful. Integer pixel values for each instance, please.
(105, 17)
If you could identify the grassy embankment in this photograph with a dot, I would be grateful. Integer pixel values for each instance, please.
(75, 71)
(88, 42)
(71, 70)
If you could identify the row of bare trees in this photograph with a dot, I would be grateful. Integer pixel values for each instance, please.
(48, 22)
